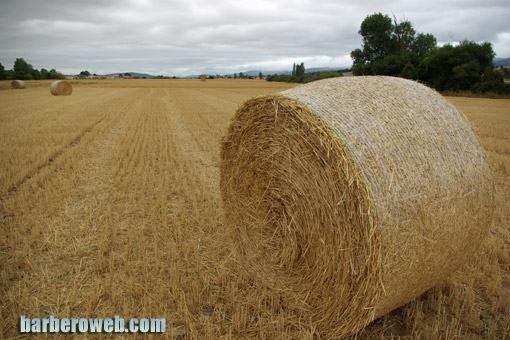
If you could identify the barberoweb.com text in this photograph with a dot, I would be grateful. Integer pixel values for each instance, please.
(97, 325)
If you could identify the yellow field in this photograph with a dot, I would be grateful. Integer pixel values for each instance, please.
(110, 205)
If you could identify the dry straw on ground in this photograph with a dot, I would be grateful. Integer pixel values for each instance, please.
(203, 77)
(18, 84)
(61, 88)
(349, 197)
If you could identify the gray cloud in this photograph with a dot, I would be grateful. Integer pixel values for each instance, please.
(194, 36)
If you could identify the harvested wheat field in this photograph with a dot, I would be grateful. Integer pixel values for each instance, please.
(111, 205)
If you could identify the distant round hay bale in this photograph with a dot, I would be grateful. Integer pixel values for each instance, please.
(17, 84)
(349, 197)
(61, 88)
(203, 77)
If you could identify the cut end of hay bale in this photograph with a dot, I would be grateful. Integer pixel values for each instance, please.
(349, 197)
(203, 77)
(17, 84)
(61, 88)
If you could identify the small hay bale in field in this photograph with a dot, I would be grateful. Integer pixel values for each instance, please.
(61, 88)
(349, 197)
(17, 84)
(203, 77)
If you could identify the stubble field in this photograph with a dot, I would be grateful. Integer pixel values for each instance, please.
(110, 205)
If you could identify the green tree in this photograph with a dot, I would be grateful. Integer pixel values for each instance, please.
(460, 68)
(261, 75)
(36, 74)
(388, 46)
(505, 72)
(376, 31)
(45, 74)
(241, 75)
(22, 70)
(54, 74)
(300, 70)
(9, 74)
(84, 74)
(492, 81)
(403, 36)
(3, 74)
(409, 71)
(467, 74)
(423, 44)
(358, 62)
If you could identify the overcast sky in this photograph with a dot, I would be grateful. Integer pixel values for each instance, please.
(183, 37)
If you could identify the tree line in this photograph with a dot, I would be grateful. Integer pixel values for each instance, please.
(24, 71)
(393, 48)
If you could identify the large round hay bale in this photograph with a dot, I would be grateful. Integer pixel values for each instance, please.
(17, 84)
(203, 77)
(61, 88)
(349, 197)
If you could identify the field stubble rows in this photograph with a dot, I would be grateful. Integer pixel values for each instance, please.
(110, 205)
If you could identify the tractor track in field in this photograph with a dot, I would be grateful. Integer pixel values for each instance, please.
(50, 160)
(69, 109)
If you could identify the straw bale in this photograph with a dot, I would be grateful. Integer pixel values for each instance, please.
(61, 88)
(349, 197)
(17, 84)
(203, 77)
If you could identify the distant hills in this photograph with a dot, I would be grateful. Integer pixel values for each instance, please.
(253, 73)
(501, 62)
(141, 75)
(135, 74)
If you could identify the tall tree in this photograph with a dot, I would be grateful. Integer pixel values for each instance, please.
(45, 74)
(409, 71)
(403, 36)
(300, 70)
(3, 75)
(376, 31)
(36, 74)
(54, 74)
(22, 70)
(423, 44)
(388, 46)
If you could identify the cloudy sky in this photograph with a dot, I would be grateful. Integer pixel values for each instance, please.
(183, 37)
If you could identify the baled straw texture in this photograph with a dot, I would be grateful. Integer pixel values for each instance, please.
(349, 197)
(61, 88)
(18, 84)
(203, 77)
